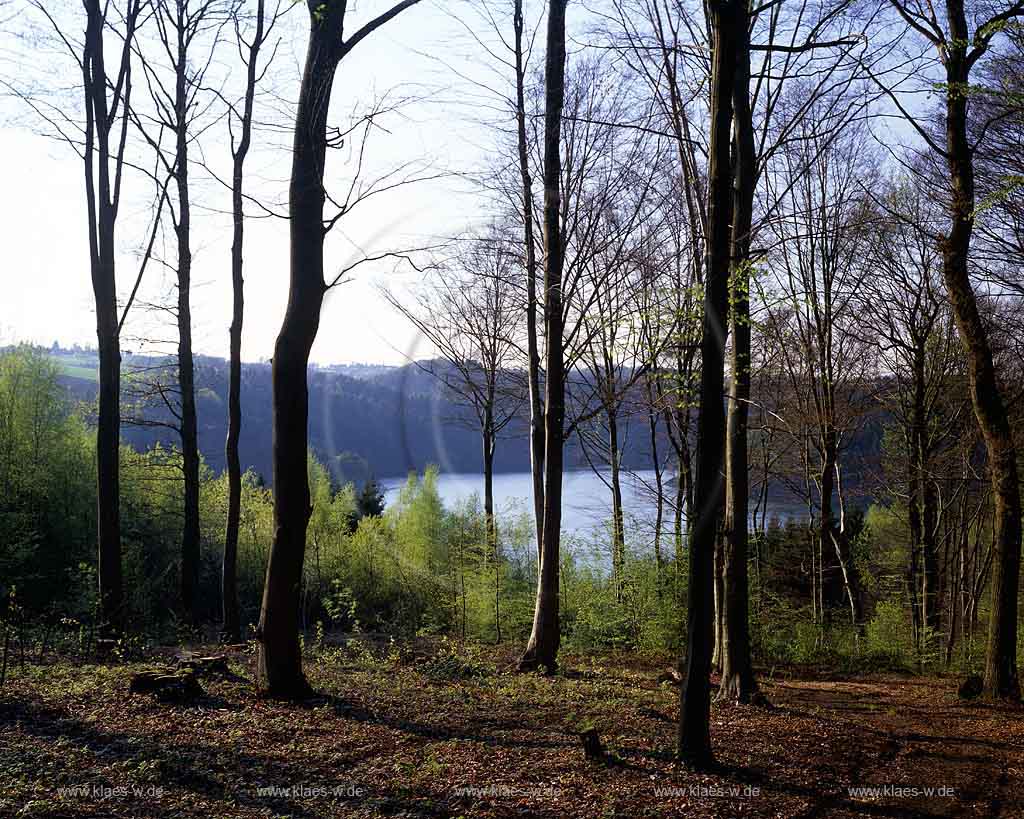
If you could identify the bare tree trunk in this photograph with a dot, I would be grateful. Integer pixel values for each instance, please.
(279, 661)
(989, 406)
(839, 579)
(659, 488)
(915, 484)
(913, 567)
(108, 443)
(489, 521)
(831, 575)
(738, 681)
(102, 196)
(542, 648)
(718, 604)
(231, 627)
(532, 347)
(677, 527)
(695, 693)
(618, 522)
(186, 368)
(923, 508)
(930, 591)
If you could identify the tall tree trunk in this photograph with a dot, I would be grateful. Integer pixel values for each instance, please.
(922, 506)
(186, 368)
(101, 201)
(738, 681)
(279, 659)
(659, 487)
(914, 564)
(491, 532)
(914, 486)
(695, 693)
(839, 583)
(718, 604)
(532, 346)
(831, 575)
(231, 627)
(618, 520)
(989, 406)
(930, 591)
(542, 648)
(108, 445)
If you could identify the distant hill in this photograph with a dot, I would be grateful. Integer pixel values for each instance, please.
(379, 420)
(364, 419)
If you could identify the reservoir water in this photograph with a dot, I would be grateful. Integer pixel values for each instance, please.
(586, 503)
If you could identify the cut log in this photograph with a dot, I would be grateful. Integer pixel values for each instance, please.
(204, 665)
(166, 686)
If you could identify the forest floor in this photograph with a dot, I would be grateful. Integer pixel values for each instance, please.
(429, 731)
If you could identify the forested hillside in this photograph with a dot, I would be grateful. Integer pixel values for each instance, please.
(364, 421)
(414, 422)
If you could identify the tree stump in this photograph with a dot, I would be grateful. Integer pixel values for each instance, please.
(671, 676)
(971, 688)
(592, 747)
(105, 648)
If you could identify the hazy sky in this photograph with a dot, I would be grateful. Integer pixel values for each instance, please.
(46, 293)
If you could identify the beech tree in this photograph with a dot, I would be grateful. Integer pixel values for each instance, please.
(258, 30)
(907, 319)
(961, 38)
(101, 141)
(187, 33)
(107, 117)
(817, 262)
(733, 637)
(728, 23)
(545, 637)
(609, 341)
(279, 662)
(470, 315)
(530, 261)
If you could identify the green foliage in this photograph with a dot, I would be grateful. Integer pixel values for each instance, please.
(415, 568)
(453, 661)
(888, 633)
(640, 611)
(47, 504)
(340, 607)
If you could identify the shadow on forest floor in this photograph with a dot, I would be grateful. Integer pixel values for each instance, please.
(392, 738)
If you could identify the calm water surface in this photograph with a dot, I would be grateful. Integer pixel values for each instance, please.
(586, 506)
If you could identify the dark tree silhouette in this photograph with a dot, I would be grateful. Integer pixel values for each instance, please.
(279, 663)
(959, 49)
(101, 143)
(728, 27)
